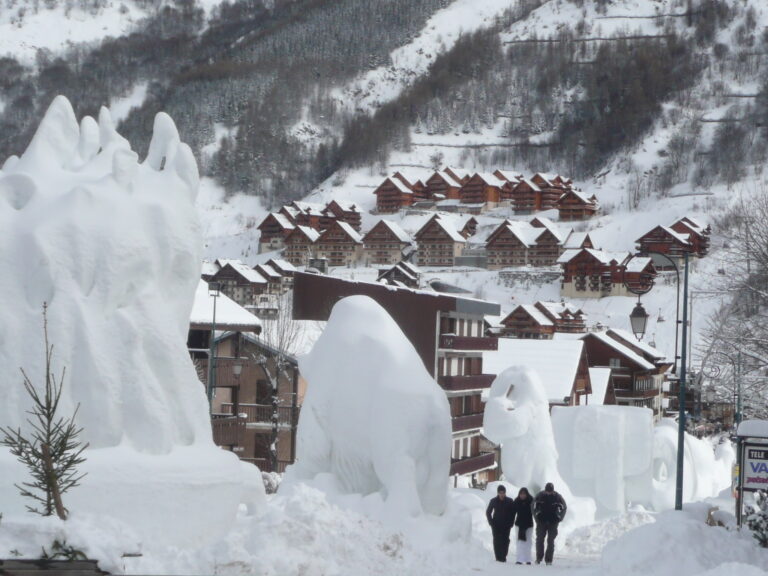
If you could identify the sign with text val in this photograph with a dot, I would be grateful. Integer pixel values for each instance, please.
(755, 470)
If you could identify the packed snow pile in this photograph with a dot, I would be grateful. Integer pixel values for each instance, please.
(112, 245)
(374, 423)
(606, 453)
(517, 417)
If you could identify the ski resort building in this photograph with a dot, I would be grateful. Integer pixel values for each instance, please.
(300, 245)
(447, 332)
(439, 243)
(385, 243)
(589, 273)
(340, 244)
(393, 194)
(575, 205)
(541, 320)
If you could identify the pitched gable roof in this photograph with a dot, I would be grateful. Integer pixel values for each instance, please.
(446, 226)
(621, 349)
(394, 228)
(310, 233)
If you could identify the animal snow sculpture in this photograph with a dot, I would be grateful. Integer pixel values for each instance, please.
(606, 453)
(113, 245)
(517, 417)
(706, 472)
(373, 420)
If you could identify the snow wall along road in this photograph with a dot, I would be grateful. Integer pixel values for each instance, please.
(113, 246)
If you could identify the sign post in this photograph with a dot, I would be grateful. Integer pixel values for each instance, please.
(752, 467)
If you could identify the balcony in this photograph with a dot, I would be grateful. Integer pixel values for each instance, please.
(473, 464)
(459, 383)
(227, 430)
(638, 394)
(452, 342)
(467, 422)
(287, 416)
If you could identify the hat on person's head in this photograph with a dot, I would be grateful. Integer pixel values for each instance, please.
(549, 487)
(501, 488)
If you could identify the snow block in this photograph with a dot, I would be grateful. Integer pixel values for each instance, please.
(373, 420)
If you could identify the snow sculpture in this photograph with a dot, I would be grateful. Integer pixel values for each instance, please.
(114, 247)
(517, 417)
(606, 453)
(373, 420)
(706, 471)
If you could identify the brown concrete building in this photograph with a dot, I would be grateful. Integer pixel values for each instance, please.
(274, 229)
(342, 211)
(575, 205)
(393, 194)
(442, 186)
(300, 245)
(340, 244)
(446, 331)
(439, 243)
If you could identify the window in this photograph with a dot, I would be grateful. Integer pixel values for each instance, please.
(614, 363)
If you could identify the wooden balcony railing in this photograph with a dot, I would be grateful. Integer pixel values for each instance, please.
(467, 422)
(457, 383)
(227, 430)
(650, 393)
(263, 413)
(451, 342)
(473, 464)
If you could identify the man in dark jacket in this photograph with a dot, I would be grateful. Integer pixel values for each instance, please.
(549, 509)
(501, 517)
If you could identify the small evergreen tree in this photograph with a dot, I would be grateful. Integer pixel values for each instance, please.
(757, 518)
(52, 452)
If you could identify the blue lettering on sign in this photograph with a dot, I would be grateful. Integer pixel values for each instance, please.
(759, 467)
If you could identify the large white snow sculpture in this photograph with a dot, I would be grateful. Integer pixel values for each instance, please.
(606, 453)
(517, 417)
(114, 247)
(373, 420)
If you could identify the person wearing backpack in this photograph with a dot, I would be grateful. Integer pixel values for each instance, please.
(501, 517)
(549, 510)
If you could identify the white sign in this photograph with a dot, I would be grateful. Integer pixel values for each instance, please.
(755, 472)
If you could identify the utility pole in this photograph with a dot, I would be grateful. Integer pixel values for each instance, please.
(681, 396)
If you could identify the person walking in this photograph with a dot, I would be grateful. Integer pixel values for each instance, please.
(501, 517)
(549, 510)
(524, 523)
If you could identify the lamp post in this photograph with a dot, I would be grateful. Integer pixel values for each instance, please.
(213, 291)
(638, 319)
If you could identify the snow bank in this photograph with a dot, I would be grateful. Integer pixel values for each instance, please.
(606, 453)
(113, 246)
(517, 417)
(374, 422)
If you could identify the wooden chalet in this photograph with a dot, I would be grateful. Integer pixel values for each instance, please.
(540, 321)
(667, 241)
(285, 268)
(340, 244)
(240, 282)
(482, 188)
(442, 186)
(384, 243)
(551, 189)
(447, 332)
(589, 273)
(300, 245)
(274, 229)
(403, 274)
(512, 179)
(561, 366)
(438, 243)
(698, 234)
(526, 197)
(638, 371)
(458, 174)
(575, 205)
(549, 242)
(515, 243)
(306, 214)
(342, 211)
(392, 195)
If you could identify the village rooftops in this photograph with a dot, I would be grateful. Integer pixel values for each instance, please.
(547, 224)
(281, 265)
(682, 238)
(308, 207)
(450, 180)
(638, 264)
(624, 350)
(311, 234)
(508, 175)
(537, 315)
(349, 231)
(558, 309)
(446, 226)
(245, 271)
(576, 240)
(491, 179)
(530, 184)
(398, 232)
(229, 314)
(652, 352)
(556, 362)
(600, 255)
(282, 220)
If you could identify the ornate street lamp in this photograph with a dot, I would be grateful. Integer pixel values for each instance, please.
(638, 319)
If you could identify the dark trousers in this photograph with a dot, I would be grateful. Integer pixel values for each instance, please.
(546, 530)
(501, 542)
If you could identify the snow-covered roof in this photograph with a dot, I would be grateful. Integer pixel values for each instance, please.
(283, 220)
(281, 265)
(310, 233)
(308, 207)
(346, 205)
(557, 232)
(351, 232)
(555, 361)
(622, 349)
(537, 315)
(450, 180)
(209, 268)
(412, 268)
(638, 264)
(523, 231)
(629, 337)
(602, 256)
(460, 172)
(694, 223)
(548, 178)
(399, 233)
(530, 183)
(559, 308)
(575, 240)
(447, 227)
(510, 176)
(267, 270)
(599, 378)
(400, 185)
(580, 195)
(490, 179)
(229, 314)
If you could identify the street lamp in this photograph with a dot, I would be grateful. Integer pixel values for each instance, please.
(635, 319)
(214, 290)
(638, 319)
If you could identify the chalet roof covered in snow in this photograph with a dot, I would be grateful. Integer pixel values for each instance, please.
(450, 180)
(601, 256)
(638, 264)
(267, 271)
(395, 228)
(560, 308)
(209, 268)
(537, 315)
(530, 184)
(557, 232)
(510, 176)
(281, 265)
(283, 221)
(347, 206)
(349, 231)
(399, 184)
(229, 314)
(308, 207)
(576, 240)
(538, 355)
(625, 351)
(490, 179)
(629, 337)
(447, 227)
(245, 271)
(310, 233)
